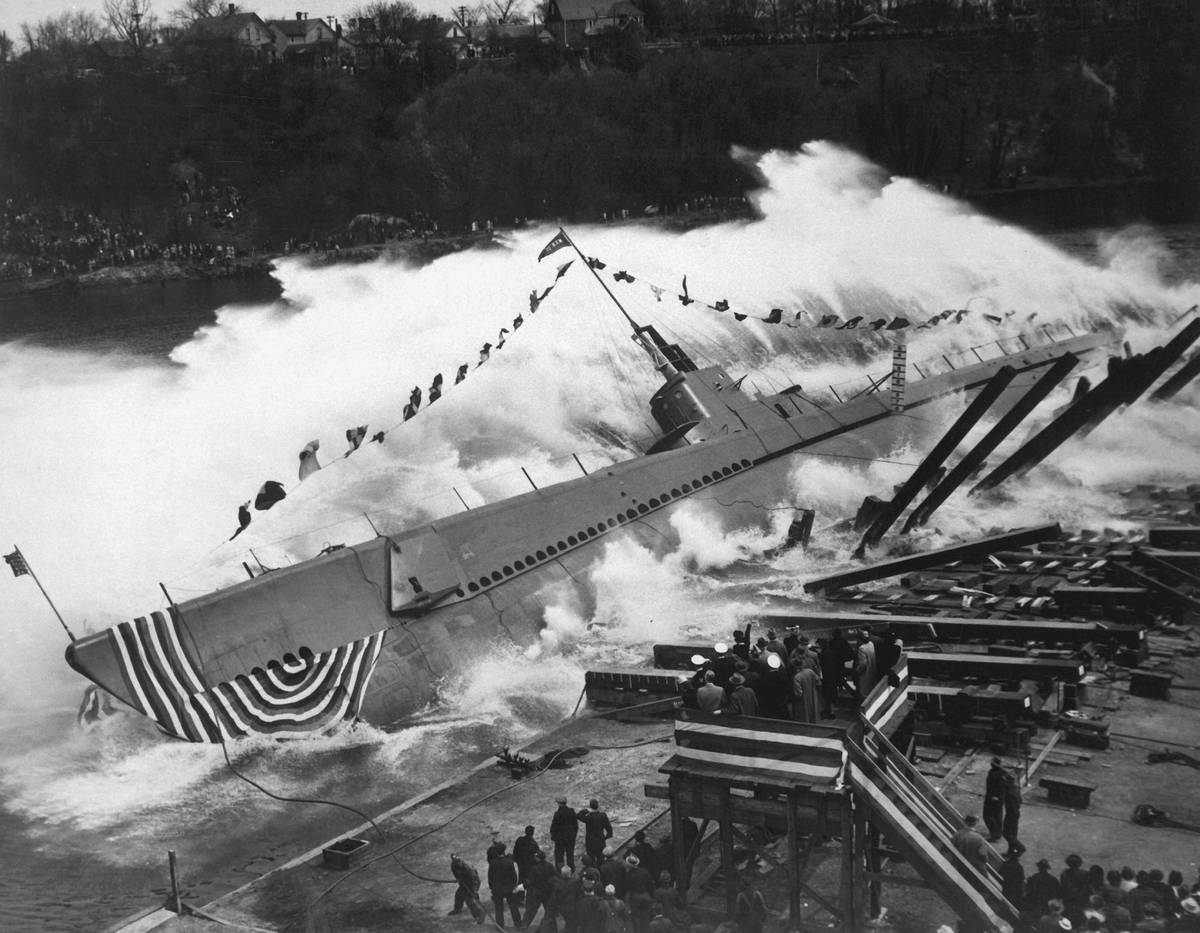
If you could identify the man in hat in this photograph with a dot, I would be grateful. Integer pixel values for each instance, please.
(639, 891)
(742, 700)
(612, 871)
(1041, 888)
(497, 847)
(647, 857)
(1012, 878)
(597, 829)
(806, 684)
(564, 827)
(502, 879)
(971, 845)
(525, 851)
(1011, 826)
(994, 791)
(1189, 914)
(1076, 885)
(467, 891)
(864, 663)
(539, 890)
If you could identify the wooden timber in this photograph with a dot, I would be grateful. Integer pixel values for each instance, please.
(897, 566)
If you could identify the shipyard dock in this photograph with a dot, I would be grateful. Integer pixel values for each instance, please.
(1070, 655)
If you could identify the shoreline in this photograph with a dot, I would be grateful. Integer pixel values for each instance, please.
(416, 250)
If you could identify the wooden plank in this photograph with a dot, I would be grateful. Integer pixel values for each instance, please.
(728, 867)
(1054, 739)
(888, 878)
(892, 568)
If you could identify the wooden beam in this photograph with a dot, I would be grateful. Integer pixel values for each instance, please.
(794, 867)
(728, 866)
(681, 854)
(974, 458)
(1042, 755)
(846, 892)
(926, 470)
(892, 568)
(888, 878)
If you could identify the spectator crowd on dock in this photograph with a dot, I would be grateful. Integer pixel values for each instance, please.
(1099, 899)
(601, 891)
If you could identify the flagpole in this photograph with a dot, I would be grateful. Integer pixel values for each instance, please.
(61, 621)
(659, 360)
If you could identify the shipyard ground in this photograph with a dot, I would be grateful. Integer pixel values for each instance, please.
(401, 882)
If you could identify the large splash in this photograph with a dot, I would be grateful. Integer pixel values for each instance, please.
(121, 472)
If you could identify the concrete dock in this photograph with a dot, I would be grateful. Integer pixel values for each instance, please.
(403, 880)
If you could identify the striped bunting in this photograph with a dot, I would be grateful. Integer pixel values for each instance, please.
(292, 697)
(886, 703)
(795, 753)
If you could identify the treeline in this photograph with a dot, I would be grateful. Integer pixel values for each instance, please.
(538, 135)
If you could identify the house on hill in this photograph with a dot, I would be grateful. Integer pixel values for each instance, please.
(235, 31)
(311, 41)
(571, 22)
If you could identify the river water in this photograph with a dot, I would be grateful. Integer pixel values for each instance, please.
(135, 419)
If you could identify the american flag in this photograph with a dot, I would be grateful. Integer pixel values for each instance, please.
(16, 561)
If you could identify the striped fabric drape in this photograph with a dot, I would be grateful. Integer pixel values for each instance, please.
(888, 702)
(304, 694)
(793, 753)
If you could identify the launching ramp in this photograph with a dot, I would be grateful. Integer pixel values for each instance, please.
(810, 781)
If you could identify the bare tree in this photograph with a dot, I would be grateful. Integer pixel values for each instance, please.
(131, 20)
(6, 47)
(193, 10)
(502, 11)
(63, 34)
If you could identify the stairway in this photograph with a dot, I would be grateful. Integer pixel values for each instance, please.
(921, 824)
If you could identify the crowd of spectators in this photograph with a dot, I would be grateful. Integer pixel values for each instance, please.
(65, 241)
(604, 892)
(1099, 899)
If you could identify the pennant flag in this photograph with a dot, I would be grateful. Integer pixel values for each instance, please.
(435, 389)
(558, 242)
(16, 560)
(485, 353)
(414, 397)
(685, 299)
(595, 263)
(994, 318)
(518, 321)
(308, 460)
(355, 437)
(829, 320)
(945, 314)
(850, 324)
(378, 438)
(1032, 316)
(243, 519)
(960, 314)
(269, 493)
(739, 317)
(534, 301)
(623, 276)
(658, 292)
(547, 291)
(462, 373)
(500, 338)
(879, 324)
(562, 270)
(776, 316)
(409, 411)
(898, 323)
(722, 305)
